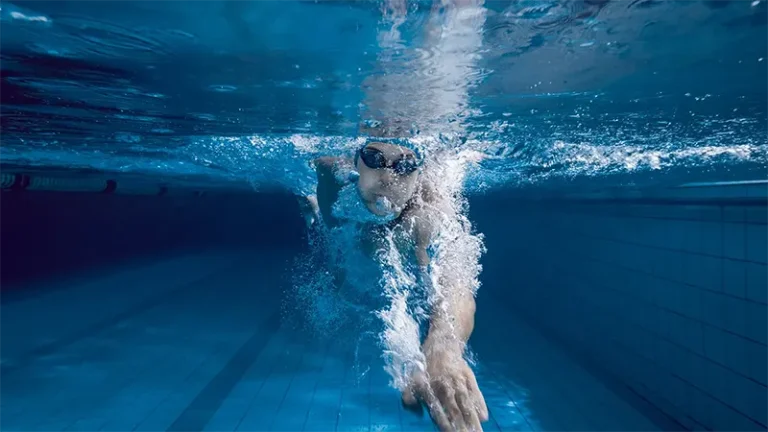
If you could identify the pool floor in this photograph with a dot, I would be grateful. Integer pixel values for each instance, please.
(197, 342)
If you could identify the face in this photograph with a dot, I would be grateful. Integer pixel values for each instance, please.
(384, 190)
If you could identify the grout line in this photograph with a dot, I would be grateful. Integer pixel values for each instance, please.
(126, 382)
(275, 363)
(501, 383)
(170, 393)
(663, 218)
(666, 249)
(326, 353)
(577, 409)
(617, 380)
(635, 353)
(642, 300)
(296, 366)
(347, 368)
(99, 327)
(665, 338)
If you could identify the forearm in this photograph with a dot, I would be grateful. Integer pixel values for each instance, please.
(452, 320)
(327, 187)
(453, 313)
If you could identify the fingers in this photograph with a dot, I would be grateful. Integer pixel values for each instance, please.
(435, 409)
(457, 405)
(409, 397)
(477, 396)
(447, 396)
(469, 411)
(410, 402)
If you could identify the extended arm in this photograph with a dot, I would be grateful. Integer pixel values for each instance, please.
(453, 315)
(449, 387)
(328, 187)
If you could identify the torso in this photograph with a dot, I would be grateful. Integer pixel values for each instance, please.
(372, 233)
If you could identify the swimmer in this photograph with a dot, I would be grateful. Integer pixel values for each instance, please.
(386, 180)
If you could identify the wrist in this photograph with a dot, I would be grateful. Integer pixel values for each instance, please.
(442, 340)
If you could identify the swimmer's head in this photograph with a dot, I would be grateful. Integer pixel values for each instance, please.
(388, 175)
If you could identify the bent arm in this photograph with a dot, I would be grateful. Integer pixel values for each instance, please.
(328, 187)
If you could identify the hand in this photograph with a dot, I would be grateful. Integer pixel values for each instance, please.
(309, 209)
(450, 391)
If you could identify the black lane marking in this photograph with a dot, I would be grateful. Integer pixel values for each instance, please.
(200, 411)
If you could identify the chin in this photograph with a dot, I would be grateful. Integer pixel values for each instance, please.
(378, 212)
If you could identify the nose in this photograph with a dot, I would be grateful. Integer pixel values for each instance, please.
(387, 177)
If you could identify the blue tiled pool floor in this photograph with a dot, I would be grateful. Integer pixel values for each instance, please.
(207, 350)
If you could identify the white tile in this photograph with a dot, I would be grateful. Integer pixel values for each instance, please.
(734, 240)
(108, 296)
(734, 278)
(703, 271)
(757, 243)
(693, 235)
(755, 214)
(733, 214)
(714, 380)
(694, 336)
(663, 265)
(757, 360)
(675, 391)
(663, 354)
(657, 232)
(726, 419)
(711, 308)
(759, 402)
(705, 238)
(736, 355)
(715, 344)
(734, 314)
(703, 408)
(709, 213)
(668, 295)
(757, 282)
(756, 321)
(692, 306)
(698, 372)
(680, 361)
(746, 396)
(757, 191)
(679, 231)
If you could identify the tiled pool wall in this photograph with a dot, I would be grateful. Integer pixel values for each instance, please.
(46, 234)
(665, 293)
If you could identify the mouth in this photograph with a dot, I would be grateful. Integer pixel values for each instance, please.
(384, 205)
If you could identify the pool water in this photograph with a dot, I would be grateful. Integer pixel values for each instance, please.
(169, 313)
(603, 165)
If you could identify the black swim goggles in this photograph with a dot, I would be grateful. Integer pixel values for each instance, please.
(374, 158)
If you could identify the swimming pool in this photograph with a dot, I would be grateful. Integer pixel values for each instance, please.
(607, 159)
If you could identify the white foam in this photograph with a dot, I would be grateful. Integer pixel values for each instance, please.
(455, 254)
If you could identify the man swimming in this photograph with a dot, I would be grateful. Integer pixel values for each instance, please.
(387, 180)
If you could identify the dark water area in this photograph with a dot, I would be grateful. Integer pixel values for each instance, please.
(49, 234)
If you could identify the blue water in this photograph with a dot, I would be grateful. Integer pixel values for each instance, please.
(252, 91)
(210, 306)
